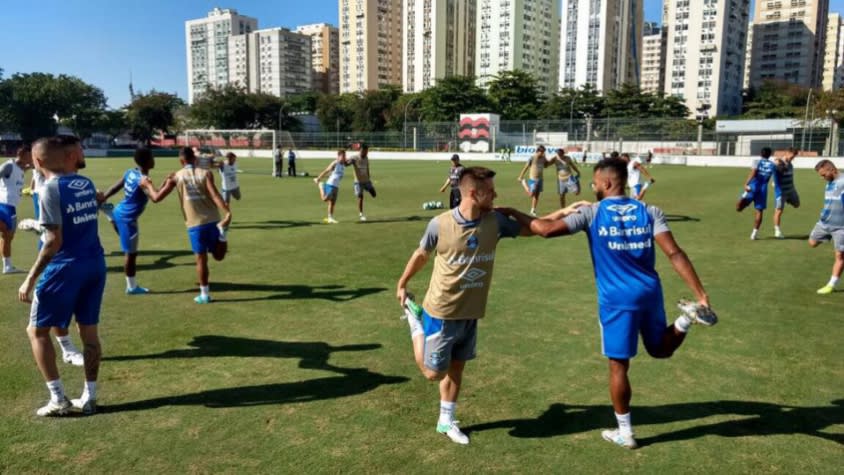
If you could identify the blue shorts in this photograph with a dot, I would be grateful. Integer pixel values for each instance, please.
(66, 289)
(448, 340)
(758, 194)
(534, 186)
(620, 329)
(203, 238)
(330, 191)
(129, 234)
(634, 192)
(9, 217)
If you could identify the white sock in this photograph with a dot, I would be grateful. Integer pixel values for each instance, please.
(56, 390)
(131, 283)
(447, 412)
(683, 323)
(222, 231)
(67, 344)
(777, 229)
(203, 290)
(89, 392)
(415, 327)
(833, 281)
(754, 232)
(7, 262)
(625, 427)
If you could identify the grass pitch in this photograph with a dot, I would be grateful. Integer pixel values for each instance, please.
(302, 365)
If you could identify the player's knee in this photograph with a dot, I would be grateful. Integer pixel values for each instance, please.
(432, 375)
(813, 243)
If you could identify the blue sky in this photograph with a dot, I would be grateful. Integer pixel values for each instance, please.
(100, 41)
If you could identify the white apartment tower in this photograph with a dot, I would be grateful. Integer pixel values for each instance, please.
(601, 43)
(279, 62)
(652, 71)
(833, 63)
(518, 34)
(704, 61)
(748, 56)
(207, 41)
(325, 56)
(370, 44)
(438, 40)
(788, 41)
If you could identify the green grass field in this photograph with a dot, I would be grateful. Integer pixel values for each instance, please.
(302, 364)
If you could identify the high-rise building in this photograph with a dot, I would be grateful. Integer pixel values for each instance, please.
(748, 56)
(833, 58)
(601, 43)
(518, 34)
(325, 56)
(207, 41)
(370, 44)
(652, 76)
(704, 61)
(438, 40)
(279, 62)
(788, 41)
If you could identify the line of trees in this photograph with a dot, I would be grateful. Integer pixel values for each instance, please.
(35, 104)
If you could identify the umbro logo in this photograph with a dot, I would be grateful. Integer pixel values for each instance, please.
(78, 185)
(472, 243)
(621, 209)
(474, 274)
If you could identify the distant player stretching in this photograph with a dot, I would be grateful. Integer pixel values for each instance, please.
(784, 190)
(830, 226)
(453, 182)
(11, 187)
(363, 181)
(537, 165)
(329, 190)
(756, 188)
(568, 176)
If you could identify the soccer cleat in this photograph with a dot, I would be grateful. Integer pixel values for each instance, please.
(73, 357)
(330, 220)
(29, 224)
(12, 270)
(614, 436)
(412, 309)
(778, 234)
(222, 233)
(87, 406)
(453, 432)
(137, 291)
(754, 237)
(826, 289)
(362, 218)
(697, 313)
(202, 299)
(53, 409)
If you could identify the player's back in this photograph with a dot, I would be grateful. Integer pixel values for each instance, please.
(832, 213)
(197, 206)
(11, 185)
(71, 202)
(228, 176)
(765, 169)
(134, 198)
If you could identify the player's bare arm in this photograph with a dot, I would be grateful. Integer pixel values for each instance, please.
(572, 165)
(327, 170)
(416, 262)
(568, 210)
(536, 226)
(102, 198)
(524, 170)
(154, 195)
(682, 265)
(218, 200)
(445, 185)
(52, 242)
(645, 172)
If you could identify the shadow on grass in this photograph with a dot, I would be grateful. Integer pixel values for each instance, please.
(397, 219)
(162, 260)
(761, 419)
(679, 218)
(273, 224)
(333, 293)
(312, 355)
(802, 237)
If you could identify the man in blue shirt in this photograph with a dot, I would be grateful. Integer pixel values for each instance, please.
(137, 190)
(623, 234)
(756, 188)
(68, 277)
(830, 226)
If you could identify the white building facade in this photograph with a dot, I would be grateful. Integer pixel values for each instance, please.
(833, 63)
(370, 44)
(652, 75)
(279, 62)
(325, 56)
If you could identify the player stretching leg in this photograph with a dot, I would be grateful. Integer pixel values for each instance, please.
(567, 176)
(537, 165)
(363, 181)
(452, 182)
(756, 188)
(784, 190)
(830, 226)
(329, 190)
(11, 188)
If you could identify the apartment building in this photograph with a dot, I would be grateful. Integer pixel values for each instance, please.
(325, 56)
(370, 44)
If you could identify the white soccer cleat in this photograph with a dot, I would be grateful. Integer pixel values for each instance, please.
(87, 406)
(362, 218)
(778, 234)
(29, 224)
(697, 313)
(614, 436)
(53, 409)
(453, 432)
(73, 357)
(12, 270)
(331, 221)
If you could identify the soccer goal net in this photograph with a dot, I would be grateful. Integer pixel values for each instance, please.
(248, 143)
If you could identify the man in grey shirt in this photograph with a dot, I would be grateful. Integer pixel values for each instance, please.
(830, 226)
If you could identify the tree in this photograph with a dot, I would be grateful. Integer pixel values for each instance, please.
(337, 112)
(152, 113)
(515, 95)
(112, 123)
(450, 97)
(775, 100)
(574, 103)
(30, 103)
(374, 109)
(225, 107)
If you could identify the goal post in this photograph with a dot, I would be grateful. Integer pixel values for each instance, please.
(252, 143)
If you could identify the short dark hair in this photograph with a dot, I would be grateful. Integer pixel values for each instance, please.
(766, 152)
(614, 154)
(616, 166)
(66, 140)
(455, 157)
(187, 153)
(143, 156)
(231, 155)
(475, 174)
(822, 164)
(364, 146)
(541, 148)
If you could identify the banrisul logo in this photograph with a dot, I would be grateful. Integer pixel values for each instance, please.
(472, 243)
(622, 209)
(78, 185)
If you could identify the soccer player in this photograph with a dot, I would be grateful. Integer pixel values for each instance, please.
(328, 191)
(568, 176)
(277, 161)
(537, 164)
(69, 274)
(830, 226)
(622, 234)
(453, 181)
(463, 241)
(291, 163)
(363, 182)
(756, 189)
(634, 172)
(784, 190)
(228, 178)
(137, 191)
(11, 188)
(201, 204)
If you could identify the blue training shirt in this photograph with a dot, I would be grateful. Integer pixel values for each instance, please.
(764, 169)
(621, 234)
(134, 198)
(70, 202)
